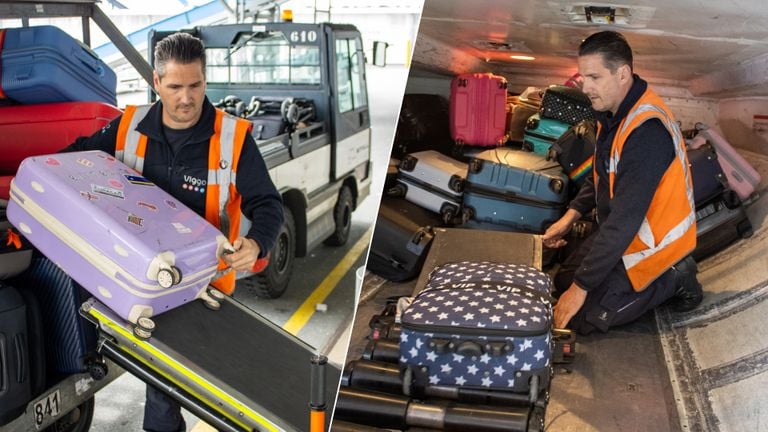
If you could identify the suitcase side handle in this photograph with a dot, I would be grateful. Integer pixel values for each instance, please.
(90, 59)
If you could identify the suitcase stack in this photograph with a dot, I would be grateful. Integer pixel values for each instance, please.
(477, 110)
(721, 218)
(433, 181)
(518, 189)
(127, 242)
(43, 64)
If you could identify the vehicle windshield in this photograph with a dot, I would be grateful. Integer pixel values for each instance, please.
(264, 58)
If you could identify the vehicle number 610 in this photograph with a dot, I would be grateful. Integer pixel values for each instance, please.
(303, 36)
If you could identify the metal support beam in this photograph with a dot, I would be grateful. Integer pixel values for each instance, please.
(86, 31)
(122, 44)
(43, 10)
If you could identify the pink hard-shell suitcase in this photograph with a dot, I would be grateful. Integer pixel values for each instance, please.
(133, 246)
(742, 178)
(477, 109)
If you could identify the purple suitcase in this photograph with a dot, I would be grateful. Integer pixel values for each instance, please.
(478, 109)
(129, 243)
(742, 178)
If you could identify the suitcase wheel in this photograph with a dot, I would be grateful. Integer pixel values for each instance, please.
(146, 324)
(211, 303)
(503, 84)
(98, 370)
(408, 163)
(744, 228)
(532, 123)
(466, 215)
(556, 185)
(399, 190)
(141, 333)
(216, 294)
(475, 166)
(176, 273)
(731, 199)
(165, 278)
(456, 183)
(448, 212)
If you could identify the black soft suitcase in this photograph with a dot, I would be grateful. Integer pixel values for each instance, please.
(717, 226)
(567, 104)
(15, 381)
(422, 125)
(574, 151)
(401, 239)
(70, 340)
(709, 181)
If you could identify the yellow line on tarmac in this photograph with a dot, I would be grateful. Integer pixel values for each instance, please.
(299, 319)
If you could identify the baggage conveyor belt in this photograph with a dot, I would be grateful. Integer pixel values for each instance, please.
(231, 367)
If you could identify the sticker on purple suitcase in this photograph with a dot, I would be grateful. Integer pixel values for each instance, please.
(52, 161)
(116, 183)
(89, 196)
(138, 180)
(147, 205)
(171, 204)
(136, 220)
(114, 193)
(85, 162)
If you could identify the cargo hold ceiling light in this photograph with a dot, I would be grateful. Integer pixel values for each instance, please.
(522, 57)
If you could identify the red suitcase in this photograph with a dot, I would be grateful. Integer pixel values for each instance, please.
(478, 109)
(33, 130)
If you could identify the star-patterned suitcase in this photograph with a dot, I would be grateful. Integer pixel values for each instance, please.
(480, 325)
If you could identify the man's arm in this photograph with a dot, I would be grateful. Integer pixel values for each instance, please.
(104, 139)
(647, 154)
(261, 203)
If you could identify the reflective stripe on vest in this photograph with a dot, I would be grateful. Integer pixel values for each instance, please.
(646, 258)
(131, 146)
(222, 201)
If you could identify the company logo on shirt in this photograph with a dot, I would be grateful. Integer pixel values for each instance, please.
(194, 184)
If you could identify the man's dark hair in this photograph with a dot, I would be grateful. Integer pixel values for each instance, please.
(181, 48)
(611, 45)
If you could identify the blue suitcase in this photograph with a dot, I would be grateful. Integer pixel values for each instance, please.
(542, 133)
(480, 325)
(43, 65)
(518, 189)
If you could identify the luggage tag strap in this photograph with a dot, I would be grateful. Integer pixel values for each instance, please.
(490, 285)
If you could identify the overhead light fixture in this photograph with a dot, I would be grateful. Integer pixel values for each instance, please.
(522, 57)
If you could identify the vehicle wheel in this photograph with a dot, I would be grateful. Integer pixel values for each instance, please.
(272, 282)
(342, 217)
(77, 420)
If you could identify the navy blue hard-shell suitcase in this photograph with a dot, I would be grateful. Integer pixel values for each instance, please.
(43, 64)
(709, 180)
(480, 325)
(70, 340)
(518, 189)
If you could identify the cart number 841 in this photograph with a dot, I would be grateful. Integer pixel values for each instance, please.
(47, 407)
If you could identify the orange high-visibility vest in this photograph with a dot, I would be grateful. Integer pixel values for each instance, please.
(222, 200)
(668, 231)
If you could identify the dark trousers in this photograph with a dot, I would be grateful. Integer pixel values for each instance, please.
(161, 413)
(614, 302)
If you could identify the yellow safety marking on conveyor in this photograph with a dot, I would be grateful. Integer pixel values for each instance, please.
(159, 355)
(299, 319)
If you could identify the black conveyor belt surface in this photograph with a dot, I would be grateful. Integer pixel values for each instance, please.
(244, 351)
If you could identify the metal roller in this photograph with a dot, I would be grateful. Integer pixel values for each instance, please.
(383, 350)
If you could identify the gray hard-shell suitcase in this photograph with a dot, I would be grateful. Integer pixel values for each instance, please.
(433, 181)
(515, 188)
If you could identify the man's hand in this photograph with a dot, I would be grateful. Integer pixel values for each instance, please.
(246, 253)
(568, 304)
(553, 237)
